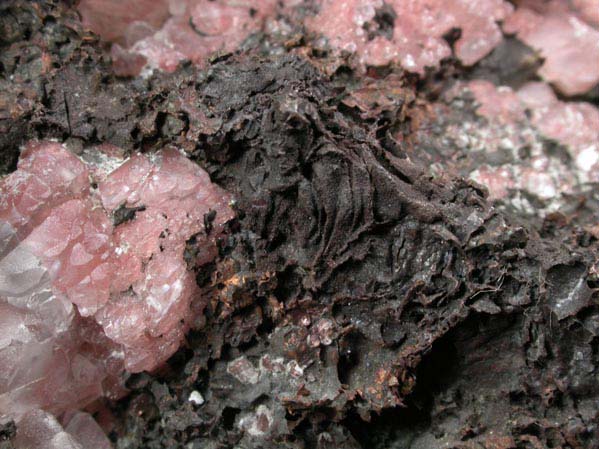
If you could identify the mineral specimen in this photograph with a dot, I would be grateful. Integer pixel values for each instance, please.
(411, 32)
(361, 301)
(92, 274)
(536, 174)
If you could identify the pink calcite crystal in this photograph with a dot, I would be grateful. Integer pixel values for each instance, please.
(193, 30)
(497, 103)
(507, 131)
(40, 430)
(81, 299)
(418, 28)
(586, 10)
(569, 45)
(111, 19)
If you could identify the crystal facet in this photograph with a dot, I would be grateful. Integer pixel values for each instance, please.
(85, 294)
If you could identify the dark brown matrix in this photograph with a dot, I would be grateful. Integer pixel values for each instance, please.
(416, 314)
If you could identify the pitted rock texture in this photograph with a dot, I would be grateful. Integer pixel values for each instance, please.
(352, 269)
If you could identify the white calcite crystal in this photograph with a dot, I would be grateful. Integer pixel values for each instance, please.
(84, 296)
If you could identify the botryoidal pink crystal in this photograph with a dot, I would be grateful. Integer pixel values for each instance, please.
(568, 44)
(419, 26)
(82, 299)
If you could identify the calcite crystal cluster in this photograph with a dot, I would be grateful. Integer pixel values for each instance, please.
(150, 34)
(416, 34)
(93, 279)
(573, 125)
(162, 33)
(534, 152)
(411, 32)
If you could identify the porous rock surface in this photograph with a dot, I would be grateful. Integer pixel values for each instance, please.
(358, 296)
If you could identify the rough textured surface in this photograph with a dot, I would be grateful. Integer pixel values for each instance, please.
(359, 301)
(383, 286)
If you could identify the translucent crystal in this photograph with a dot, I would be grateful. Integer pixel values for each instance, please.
(84, 295)
(40, 430)
(569, 45)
